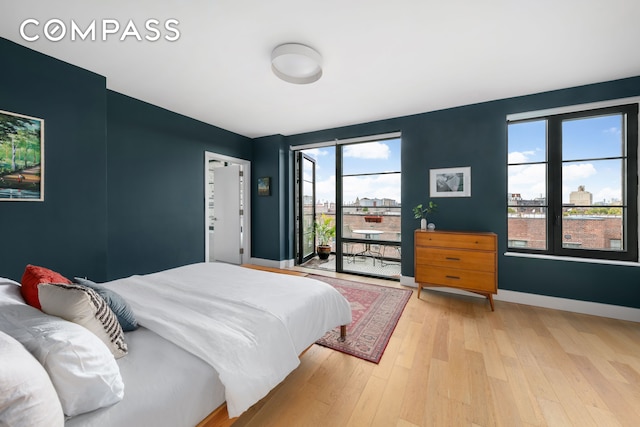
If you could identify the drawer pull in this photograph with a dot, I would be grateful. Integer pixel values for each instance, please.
(452, 277)
(450, 258)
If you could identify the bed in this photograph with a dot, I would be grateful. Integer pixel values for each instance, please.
(213, 340)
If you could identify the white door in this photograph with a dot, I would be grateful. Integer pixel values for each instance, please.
(227, 229)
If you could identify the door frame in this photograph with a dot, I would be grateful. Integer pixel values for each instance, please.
(246, 202)
(299, 160)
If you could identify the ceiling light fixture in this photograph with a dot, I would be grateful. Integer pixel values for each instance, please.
(296, 63)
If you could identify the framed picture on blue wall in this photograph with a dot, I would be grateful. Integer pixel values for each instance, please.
(450, 182)
(21, 157)
(264, 186)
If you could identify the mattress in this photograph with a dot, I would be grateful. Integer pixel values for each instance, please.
(165, 386)
(249, 325)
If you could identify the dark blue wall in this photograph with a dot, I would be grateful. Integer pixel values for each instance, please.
(155, 167)
(68, 231)
(269, 220)
(124, 180)
(475, 136)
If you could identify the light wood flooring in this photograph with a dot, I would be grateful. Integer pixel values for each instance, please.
(453, 362)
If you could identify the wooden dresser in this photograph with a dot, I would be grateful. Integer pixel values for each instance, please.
(456, 259)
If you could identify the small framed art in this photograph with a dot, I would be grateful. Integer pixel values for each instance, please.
(264, 186)
(450, 182)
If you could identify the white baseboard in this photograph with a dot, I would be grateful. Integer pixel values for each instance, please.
(566, 304)
(288, 263)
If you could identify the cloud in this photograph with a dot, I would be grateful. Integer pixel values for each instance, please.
(528, 181)
(316, 152)
(370, 150)
(520, 156)
(326, 189)
(575, 172)
(608, 194)
(372, 186)
(613, 130)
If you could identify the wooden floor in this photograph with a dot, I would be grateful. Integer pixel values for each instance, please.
(453, 362)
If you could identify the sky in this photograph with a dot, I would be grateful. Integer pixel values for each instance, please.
(584, 140)
(370, 157)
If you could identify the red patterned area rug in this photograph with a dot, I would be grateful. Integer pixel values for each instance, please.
(375, 310)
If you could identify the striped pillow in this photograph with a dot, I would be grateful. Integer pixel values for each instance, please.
(85, 307)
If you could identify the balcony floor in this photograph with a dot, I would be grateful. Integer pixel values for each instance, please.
(361, 265)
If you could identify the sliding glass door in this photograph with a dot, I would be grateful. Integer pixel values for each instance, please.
(369, 208)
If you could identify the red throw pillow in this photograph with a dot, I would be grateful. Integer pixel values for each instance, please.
(33, 275)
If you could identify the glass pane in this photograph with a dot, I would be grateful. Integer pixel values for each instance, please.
(527, 142)
(307, 170)
(372, 202)
(308, 208)
(528, 182)
(597, 182)
(384, 225)
(598, 228)
(592, 137)
(527, 227)
(371, 157)
(308, 243)
(325, 158)
(372, 258)
(374, 192)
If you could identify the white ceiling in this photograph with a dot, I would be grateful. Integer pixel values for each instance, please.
(382, 58)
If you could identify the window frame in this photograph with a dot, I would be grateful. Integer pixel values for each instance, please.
(553, 163)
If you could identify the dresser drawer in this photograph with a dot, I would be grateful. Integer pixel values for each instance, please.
(456, 240)
(456, 258)
(463, 279)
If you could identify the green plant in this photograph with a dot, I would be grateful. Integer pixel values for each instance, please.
(420, 212)
(325, 230)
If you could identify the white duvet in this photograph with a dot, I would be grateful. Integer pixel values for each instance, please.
(250, 325)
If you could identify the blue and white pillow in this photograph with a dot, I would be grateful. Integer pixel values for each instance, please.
(116, 303)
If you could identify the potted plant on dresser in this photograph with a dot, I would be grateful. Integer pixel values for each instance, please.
(325, 231)
(420, 212)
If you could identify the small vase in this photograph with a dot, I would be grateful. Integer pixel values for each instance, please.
(423, 224)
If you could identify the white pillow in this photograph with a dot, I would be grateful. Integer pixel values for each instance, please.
(28, 397)
(81, 367)
(5, 280)
(10, 292)
(82, 305)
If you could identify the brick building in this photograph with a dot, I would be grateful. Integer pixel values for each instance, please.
(579, 231)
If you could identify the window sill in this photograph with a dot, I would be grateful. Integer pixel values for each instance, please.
(573, 259)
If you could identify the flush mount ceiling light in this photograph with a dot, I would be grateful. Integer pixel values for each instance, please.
(296, 63)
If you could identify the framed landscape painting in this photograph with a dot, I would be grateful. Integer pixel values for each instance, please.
(21, 157)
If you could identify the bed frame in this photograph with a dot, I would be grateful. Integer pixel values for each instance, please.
(218, 418)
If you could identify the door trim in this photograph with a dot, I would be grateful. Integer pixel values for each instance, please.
(300, 158)
(246, 202)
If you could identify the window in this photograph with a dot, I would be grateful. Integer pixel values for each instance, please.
(358, 185)
(572, 183)
(369, 189)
